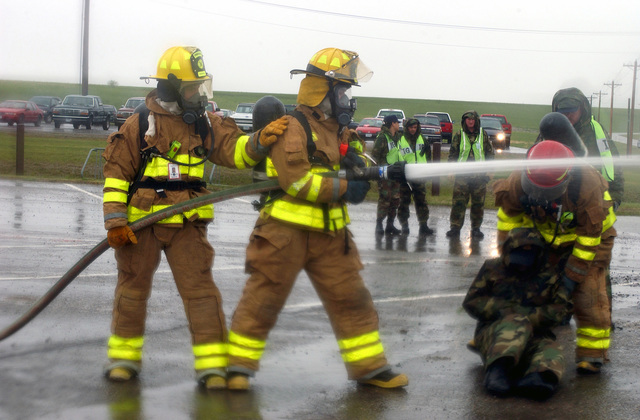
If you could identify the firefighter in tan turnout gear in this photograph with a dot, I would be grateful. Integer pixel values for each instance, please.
(157, 160)
(573, 211)
(305, 228)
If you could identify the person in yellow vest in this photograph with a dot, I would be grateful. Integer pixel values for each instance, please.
(576, 107)
(469, 144)
(413, 149)
(154, 161)
(385, 152)
(306, 229)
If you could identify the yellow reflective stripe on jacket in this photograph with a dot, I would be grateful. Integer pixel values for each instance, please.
(247, 347)
(240, 156)
(507, 223)
(295, 188)
(158, 167)
(115, 197)
(593, 338)
(116, 183)
(588, 240)
(204, 212)
(361, 347)
(307, 214)
(611, 216)
(583, 254)
(466, 147)
(210, 356)
(125, 348)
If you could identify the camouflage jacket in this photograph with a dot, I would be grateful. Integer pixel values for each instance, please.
(538, 294)
(380, 147)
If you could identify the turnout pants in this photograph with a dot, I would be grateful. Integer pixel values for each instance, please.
(275, 256)
(190, 257)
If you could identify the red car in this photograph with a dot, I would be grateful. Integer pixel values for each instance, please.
(369, 128)
(21, 112)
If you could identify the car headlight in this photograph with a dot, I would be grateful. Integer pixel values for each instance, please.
(500, 136)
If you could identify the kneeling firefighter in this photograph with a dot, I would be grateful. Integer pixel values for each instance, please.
(305, 228)
(154, 161)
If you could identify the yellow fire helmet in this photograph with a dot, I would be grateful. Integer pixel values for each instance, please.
(339, 65)
(334, 65)
(185, 63)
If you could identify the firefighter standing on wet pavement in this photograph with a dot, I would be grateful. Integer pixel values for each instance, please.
(154, 161)
(306, 229)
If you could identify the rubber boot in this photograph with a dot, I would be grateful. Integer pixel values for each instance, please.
(213, 382)
(496, 378)
(238, 382)
(405, 229)
(476, 233)
(379, 228)
(454, 232)
(390, 229)
(425, 230)
(588, 368)
(387, 379)
(538, 385)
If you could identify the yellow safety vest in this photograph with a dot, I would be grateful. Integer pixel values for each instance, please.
(605, 151)
(410, 156)
(466, 147)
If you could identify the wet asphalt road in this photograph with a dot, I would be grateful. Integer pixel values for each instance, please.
(51, 369)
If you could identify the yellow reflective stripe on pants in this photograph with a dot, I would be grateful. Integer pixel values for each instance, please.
(210, 356)
(361, 347)
(593, 338)
(125, 348)
(247, 347)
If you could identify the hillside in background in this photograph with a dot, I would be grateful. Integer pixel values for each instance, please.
(523, 117)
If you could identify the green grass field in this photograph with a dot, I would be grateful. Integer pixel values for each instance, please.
(54, 157)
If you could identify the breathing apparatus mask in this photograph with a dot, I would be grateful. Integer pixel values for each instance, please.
(192, 97)
(343, 104)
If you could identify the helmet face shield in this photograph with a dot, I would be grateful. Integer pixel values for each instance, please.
(353, 72)
(337, 65)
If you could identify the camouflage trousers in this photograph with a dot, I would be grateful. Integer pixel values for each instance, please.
(419, 194)
(388, 199)
(513, 336)
(463, 189)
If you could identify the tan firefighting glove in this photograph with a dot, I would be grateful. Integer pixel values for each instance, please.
(270, 133)
(121, 236)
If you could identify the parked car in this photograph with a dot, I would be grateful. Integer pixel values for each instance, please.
(213, 107)
(493, 128)
(397, 112)
(369, 128)
(446, 125)
(21, 112)
(127, 109)
(244, 116)
(430, 127)
(46, 104)
(506, 125)
(112, 112)
(226, 112)
(289, 107)
(81, 110)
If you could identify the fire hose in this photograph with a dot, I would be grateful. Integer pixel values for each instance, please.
(412, 172)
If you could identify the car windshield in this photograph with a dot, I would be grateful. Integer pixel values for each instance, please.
(396, 113)
(133, 103)
(245, 109)
(13, 104)
(490, 123)
(77, 101)
(40, 100)
(441, 117)
(372, 122)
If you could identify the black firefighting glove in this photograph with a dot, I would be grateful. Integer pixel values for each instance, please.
(352, 160)
(395, 172)
(356, 191)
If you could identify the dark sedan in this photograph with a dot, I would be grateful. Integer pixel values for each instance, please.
(430, 127)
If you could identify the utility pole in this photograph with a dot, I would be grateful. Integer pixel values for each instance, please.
(632, 106)
(613, 85)
(85, 48)
(599, 102)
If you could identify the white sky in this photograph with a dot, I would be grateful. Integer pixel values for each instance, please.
(494, 51)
